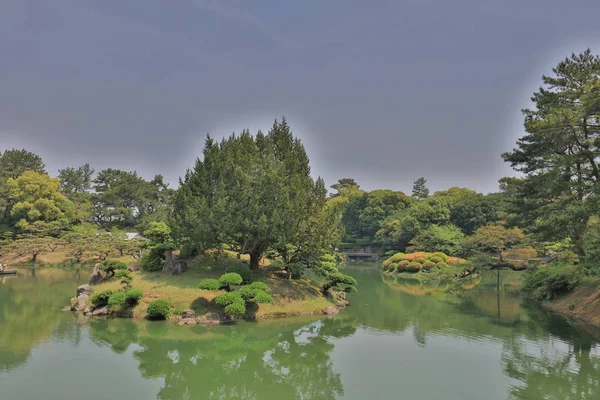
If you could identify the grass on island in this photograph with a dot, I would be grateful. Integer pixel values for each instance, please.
(291, 297)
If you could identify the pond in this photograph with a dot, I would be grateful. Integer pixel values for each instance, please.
(397, 340)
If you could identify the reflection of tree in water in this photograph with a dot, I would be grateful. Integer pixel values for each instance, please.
(29, 315)
(245, 361)
(562, 367)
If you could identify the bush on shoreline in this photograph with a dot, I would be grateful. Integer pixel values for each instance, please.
(546, 283)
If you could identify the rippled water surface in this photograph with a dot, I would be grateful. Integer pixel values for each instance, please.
(398, 340)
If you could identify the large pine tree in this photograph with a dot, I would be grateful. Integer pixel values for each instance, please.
(560, 152)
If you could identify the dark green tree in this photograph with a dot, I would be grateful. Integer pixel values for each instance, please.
(75, 180)
(559, 153)
(419, 190)
(247, 193)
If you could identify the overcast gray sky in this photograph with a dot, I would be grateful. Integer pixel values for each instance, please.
(381, 91)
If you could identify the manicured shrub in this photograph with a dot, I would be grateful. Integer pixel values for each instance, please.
(413, 267)
(395, 258)
(237, 308)
(233, 302)
(117, 299)
(152, 262)
(436, 259)
(545, 283)
(229, 297)
(210, 284)
(122, 273)
(259, 286)
(420, 260)
(391, 267)
(402, 265)
(242, 270)
(441, 255)
(262, 297)
(442, 265)
(112, 265)
(428, 266)
(230, 278)
(389, 253)
(132, 296)
(158, 309)
(101, 299)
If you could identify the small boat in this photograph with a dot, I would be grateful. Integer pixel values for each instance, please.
(8, 272)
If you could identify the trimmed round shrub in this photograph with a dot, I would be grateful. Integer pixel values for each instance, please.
(122, 273)
(428, 266)
(236, 308)
(117, 299)
(436, 259)
(242, 270)
(395, 258)
(262, 297)
(413, 267)
(442, 265)
(402, 265)
(441, 255)
(101, 299)
(112, 265)
(391, 267)
(228, 298)
(132, 296)
(420, 260)
(158, 309)
(259, 286)
(210, 284)
(231, 278)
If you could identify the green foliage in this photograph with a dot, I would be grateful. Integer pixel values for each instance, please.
(262, 297)
(152, 262)
(419, 190)
(428, 265)
(570, 306)
(340, 282)
(230, 278)
(233, 302)
(258, 286)
(122, 273)
(158, 309)
(101, 299)
(446, 238)
(158, 232)
(36, 197)
(13, 163)
(237, 308)
(133, 296)
(443, 256)
(228, 298)
(545, 283)
(242, 270)
(442, 265)
(210, 284)
(420, 260)
(117, 299)
(124, 199)
(250, 193)
(436, 259)
(496, 238)
(413, 267)
(113, 265)
(559, 153)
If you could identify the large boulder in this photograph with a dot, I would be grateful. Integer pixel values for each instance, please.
(187, 321)
(331, 310)
(188, 314)
(97, 275)
(209, 319)
(84, 289)
(101, 311)
(173, 264)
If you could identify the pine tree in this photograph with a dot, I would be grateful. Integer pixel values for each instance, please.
(419, 190)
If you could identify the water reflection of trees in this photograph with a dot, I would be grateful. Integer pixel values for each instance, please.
(28, 312)
(251, 361)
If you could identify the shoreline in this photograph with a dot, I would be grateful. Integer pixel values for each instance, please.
(581, 305)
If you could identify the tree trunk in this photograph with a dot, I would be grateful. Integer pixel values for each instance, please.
(254, 261)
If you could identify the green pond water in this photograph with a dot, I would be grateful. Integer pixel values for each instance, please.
(397, 340)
